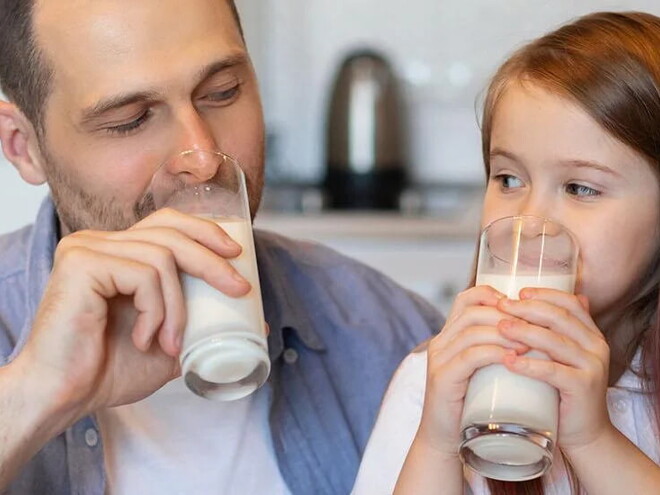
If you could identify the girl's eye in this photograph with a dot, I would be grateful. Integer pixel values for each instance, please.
(581, 190)
(223, 96)
(508, 181)
(130, 126)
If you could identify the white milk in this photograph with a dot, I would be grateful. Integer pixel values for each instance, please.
(496, 395)
(214, 315)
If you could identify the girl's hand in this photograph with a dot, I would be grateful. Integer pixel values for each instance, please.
(559, 325)
(469, 340)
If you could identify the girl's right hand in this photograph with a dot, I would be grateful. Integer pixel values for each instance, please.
(468, 341)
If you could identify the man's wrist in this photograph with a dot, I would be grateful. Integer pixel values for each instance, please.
(39, 413)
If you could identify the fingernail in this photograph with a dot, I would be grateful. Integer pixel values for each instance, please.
(229, 242)
(239, 278)
(527, 293)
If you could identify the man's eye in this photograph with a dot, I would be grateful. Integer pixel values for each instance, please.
(581, 190)
(130, 126)
(223, 96)
(508, 181)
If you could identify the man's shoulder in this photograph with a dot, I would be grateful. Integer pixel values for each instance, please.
(306, 254)
(14, 251)
(348, 283)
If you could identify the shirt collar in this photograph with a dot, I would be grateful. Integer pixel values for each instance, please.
(284, 308)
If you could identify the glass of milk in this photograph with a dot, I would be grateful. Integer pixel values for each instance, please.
(509, 423)
(225, 353)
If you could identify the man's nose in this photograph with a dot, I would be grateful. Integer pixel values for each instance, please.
(195, 165)
(195, 135)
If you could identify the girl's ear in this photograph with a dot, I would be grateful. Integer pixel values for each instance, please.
(20, 144)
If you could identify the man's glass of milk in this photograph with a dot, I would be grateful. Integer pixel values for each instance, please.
(225, 352)
(509, 423)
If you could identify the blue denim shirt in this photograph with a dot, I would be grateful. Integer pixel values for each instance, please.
(348, 325)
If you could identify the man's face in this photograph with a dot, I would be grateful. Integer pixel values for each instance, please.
(135, 83)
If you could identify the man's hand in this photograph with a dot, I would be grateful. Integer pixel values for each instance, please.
(108, 330)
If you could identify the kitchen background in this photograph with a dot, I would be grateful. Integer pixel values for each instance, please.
(442, 52)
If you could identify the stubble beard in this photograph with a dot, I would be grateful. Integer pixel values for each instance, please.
(79, 210)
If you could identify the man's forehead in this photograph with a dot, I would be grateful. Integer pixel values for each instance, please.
(87, 36)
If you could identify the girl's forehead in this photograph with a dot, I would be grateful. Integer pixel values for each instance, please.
(538, 125)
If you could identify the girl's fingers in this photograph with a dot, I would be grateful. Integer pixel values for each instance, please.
(578, 305)
(463, 365)
(481, 295)
(558, 347)
(545, 314)
(470, 317)
(470, 337)
(566, 379)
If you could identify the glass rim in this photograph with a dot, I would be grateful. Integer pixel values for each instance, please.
(185, 153)
(545, 220)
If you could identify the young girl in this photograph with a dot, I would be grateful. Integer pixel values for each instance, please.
(571, 131)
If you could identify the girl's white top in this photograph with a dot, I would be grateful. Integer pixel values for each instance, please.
(630, 411)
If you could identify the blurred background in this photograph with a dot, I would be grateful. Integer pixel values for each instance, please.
(372, 118)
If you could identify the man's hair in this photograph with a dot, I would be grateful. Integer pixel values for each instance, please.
(25, 77)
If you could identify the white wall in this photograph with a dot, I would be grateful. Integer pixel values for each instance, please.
(445, 50)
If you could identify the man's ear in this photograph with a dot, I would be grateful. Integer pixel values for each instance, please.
(20, 144)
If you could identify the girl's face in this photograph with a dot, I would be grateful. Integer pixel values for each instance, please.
(549, 158)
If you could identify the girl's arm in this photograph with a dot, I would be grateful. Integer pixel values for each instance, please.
(614, 465)
(428, 471)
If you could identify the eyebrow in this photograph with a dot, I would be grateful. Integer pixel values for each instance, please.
(566, 163)
(124, 99)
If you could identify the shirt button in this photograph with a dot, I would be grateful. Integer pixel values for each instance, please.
(91, 437)
(290, 356)
(620, 406)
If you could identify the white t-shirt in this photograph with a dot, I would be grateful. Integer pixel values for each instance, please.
(401, 411)
(177, 443)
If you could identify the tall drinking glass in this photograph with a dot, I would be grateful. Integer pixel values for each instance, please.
(225, 352)
(509, 423)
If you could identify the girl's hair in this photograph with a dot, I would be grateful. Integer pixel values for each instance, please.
(609, 65)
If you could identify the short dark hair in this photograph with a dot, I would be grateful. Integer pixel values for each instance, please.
(25, 77)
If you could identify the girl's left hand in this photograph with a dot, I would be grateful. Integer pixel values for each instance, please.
(559, 324)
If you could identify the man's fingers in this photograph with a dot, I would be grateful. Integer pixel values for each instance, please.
(93, 278)
(190, 256)
(162, 259)
(203, 230)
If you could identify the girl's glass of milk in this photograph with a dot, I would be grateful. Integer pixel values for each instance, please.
(225, 352)
(509, 423)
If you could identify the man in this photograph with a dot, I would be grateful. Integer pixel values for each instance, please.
(91, 310)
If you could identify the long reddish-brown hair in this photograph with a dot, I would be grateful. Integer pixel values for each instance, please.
(609, 65)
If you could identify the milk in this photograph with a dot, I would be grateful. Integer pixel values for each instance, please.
(495, 395)
(233, 327)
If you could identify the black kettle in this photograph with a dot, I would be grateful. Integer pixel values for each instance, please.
(364, 140)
